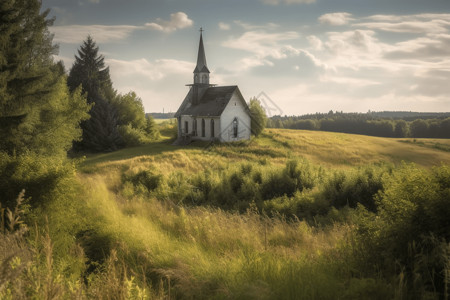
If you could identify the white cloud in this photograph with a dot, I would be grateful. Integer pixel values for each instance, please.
(431, 48)
(264, 44)
(75, 34)
(276, 2)
(420, 23)
(248, 26)
(224, 26)
(315, 42)
(349, 81)
(150, 71)
(336, 19)
(433, 26)
(177, 20)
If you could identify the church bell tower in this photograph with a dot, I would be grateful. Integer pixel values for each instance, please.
(201, 72)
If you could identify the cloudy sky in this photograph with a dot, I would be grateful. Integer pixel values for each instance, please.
(306, 56)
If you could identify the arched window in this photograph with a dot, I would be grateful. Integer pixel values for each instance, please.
(195, 127)
(205, 79)
(195, 78)
(203, 127)
(212, 128)
(235, 128)
(186, 127)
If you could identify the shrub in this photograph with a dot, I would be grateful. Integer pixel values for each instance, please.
(410, 234)
(146, 179)
(345, 188)
(133, 136)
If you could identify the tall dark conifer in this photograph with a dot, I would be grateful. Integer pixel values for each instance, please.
(89, 71)
(37, 113)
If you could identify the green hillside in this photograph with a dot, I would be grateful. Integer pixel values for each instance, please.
(288, 215)
(277, 145)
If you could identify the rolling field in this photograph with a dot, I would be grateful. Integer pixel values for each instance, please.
(334, 150)
(147, 205)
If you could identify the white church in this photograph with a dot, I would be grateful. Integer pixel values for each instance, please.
(210, 112)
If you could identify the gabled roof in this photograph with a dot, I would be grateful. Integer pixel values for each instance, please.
(201, 58)
(212, 102)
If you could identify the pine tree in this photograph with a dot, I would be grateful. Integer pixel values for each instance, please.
(89, 71)
(37, 112)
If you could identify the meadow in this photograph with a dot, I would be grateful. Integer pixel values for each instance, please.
(288, 215)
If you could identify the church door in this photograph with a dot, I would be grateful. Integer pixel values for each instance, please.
(235, 128)
(212, 128)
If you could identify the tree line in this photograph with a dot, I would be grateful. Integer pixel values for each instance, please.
(368, 124)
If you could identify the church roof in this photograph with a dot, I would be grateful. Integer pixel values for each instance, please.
(201, 58)
(212, 102)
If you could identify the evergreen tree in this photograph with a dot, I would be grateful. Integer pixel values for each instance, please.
(258, 117)
(37, 112)
(89, 71)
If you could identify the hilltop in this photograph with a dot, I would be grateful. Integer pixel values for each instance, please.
(330, 149)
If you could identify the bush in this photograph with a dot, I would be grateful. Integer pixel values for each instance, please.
(133, 136)
(43, 178)
(345, 188)
(409, 236)
(146, 180)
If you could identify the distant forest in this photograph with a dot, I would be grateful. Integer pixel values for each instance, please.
(155, 115)
(383, 124)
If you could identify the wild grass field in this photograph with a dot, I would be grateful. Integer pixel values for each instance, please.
(287, 215)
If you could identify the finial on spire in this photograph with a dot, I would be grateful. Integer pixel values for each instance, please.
(201, 30)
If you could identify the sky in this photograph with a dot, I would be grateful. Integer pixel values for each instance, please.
(296, 56)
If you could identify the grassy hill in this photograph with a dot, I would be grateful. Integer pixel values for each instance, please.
(333, 150)
(289, 215)
(151, 200)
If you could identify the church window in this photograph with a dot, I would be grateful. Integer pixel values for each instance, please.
(195, 127)
(186, 127)
(212, 128)
(235, 128)
(203, 127)
(205, 79)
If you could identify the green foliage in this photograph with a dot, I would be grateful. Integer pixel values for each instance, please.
(37, 112)
(133, 136)
(368, 124)
(258, 117)
(144, 180)
(130, 110)
(401, 129)
(419, 128)
(88, 71)
(100, 132)
(409, 236)
(152, 128)
(360, 187)
(134, 127)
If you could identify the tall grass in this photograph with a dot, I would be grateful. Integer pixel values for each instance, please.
(257, 221)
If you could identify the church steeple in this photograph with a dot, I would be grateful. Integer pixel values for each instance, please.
(201, 72)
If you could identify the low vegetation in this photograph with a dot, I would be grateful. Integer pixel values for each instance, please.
(256, 220)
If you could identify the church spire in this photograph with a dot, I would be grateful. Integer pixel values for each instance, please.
(201, 72)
